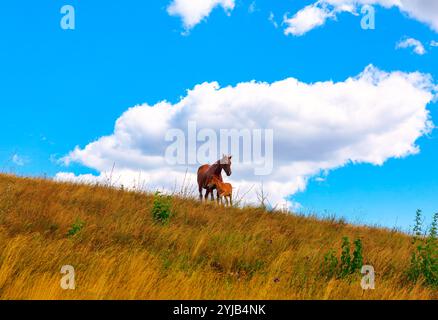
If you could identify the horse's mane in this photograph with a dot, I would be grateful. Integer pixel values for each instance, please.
(214, 167)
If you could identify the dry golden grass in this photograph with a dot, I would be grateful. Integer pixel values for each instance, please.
(205, 252)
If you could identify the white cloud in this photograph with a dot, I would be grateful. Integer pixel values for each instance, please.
(318, 13)
(310, 17)
(317, 127)
(18, 160)
(417, 46)
(271, 19)
(193, 12)
(425, 11)
(252, 7)
(434, 43)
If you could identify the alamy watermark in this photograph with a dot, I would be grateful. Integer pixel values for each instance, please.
(250, 147)
(68, 281)
(368, 280)
(68, 19)
(368, 21)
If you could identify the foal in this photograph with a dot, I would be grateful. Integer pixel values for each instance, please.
(224, 190)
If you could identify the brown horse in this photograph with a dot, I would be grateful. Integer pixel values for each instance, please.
(206, 173)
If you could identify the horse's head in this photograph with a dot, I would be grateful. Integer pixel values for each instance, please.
(225, 163)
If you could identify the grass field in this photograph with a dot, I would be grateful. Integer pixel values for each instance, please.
(202, 252)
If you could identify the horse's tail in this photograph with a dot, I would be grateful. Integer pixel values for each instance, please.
(201, 175)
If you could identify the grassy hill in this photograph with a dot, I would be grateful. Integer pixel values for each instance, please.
(203, 252)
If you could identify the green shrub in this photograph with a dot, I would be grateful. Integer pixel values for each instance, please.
(161, 209)
(330, 264)
(345, 257)
(357, 261)
(418, 226)
(349, 264)
(424, 260)
(75, 228)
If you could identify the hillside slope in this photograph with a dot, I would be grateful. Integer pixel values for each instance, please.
(203, 252)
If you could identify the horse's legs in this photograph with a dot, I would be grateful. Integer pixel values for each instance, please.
(200, 193)
(212, 195)
(231, 200)
(206, 194)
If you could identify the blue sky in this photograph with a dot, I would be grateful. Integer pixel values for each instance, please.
(63, 88)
